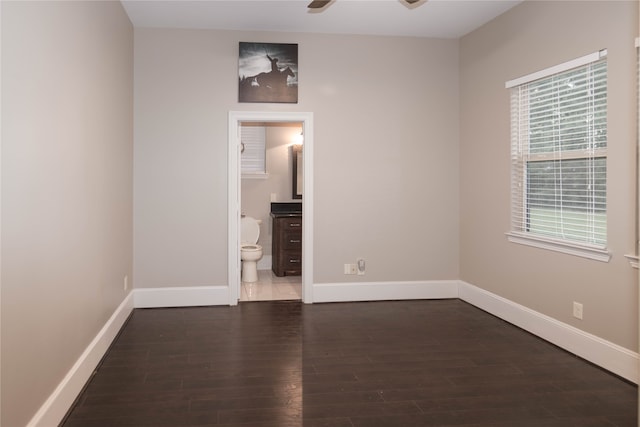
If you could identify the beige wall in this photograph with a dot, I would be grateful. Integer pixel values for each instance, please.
(67, 127)
(531, 37)
(388, 166)
(386, 153)
(394, 181)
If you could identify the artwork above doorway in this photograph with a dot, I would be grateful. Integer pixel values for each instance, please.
(268, 72)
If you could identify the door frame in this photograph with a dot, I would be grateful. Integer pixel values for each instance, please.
(234, 196)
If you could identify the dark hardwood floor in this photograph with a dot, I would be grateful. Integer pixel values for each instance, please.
(372, 364)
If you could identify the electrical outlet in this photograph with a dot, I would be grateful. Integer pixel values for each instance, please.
(577, 310)
(350, 269)
(360, 265)
(126, 282)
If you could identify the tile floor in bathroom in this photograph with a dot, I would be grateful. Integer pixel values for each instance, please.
(270, 287)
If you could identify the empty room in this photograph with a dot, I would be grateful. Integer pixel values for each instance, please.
(339, 213)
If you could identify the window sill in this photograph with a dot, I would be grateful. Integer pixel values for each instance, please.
(255, 175)
(633, 260)
(590, 252)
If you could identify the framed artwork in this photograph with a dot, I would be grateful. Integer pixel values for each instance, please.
(268, 72)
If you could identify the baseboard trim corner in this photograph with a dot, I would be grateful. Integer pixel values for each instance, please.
(384, 291)
(610, 356)
(54, 409)
(191, 296)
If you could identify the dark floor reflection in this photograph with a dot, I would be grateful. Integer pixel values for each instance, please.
(222, 366)
(445, 363)
(368, 364)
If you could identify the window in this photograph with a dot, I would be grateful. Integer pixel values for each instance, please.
(633, 258)
(253, 155)
(559, 156)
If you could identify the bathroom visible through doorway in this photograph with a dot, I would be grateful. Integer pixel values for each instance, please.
(251, 196)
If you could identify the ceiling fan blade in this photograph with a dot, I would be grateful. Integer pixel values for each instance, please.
(318, 4)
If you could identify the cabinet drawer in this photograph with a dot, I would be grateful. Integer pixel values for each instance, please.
(292, 241)
(292, 261)
(291, 264)
(291, 224)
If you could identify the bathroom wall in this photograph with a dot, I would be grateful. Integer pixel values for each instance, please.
(513, 45)
(67, 180)
(256, 193)
(385, 153)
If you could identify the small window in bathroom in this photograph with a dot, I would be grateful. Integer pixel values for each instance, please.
(253, 150)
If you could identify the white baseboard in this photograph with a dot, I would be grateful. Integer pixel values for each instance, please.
(381, 291)
(610, 356)
(57, 405)
(614, 358)
(181, 296)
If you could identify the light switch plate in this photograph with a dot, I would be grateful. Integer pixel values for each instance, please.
(350, 269)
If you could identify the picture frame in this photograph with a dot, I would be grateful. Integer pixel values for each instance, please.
(268, 72)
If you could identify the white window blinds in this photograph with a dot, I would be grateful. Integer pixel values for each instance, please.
(558, 152)
(252, 158)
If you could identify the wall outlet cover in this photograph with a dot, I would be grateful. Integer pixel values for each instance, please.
(577, 310)
(350, 269)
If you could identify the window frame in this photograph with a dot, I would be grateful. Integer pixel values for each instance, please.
(633, 258)
(253, 157)
(519, 192)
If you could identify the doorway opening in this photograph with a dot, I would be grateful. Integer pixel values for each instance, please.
(271, 205)
(288, 148)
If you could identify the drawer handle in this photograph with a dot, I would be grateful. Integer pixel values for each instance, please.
(296, 224)
(294, 260)
(294, 241)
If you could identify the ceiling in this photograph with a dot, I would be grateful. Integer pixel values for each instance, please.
(427, 18)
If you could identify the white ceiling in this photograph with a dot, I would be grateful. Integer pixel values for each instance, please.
(430, 18)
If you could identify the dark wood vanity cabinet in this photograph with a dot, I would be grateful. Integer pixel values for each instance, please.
(287, 245)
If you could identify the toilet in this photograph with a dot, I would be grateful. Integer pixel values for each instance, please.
(250, 251)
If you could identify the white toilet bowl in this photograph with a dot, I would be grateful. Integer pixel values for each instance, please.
(250, 251)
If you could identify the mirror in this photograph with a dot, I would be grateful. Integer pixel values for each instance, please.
(297, 173)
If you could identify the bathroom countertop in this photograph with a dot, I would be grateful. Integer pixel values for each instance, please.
(282, 209)
(286, 214)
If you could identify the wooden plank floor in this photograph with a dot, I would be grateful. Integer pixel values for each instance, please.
(374, 364)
